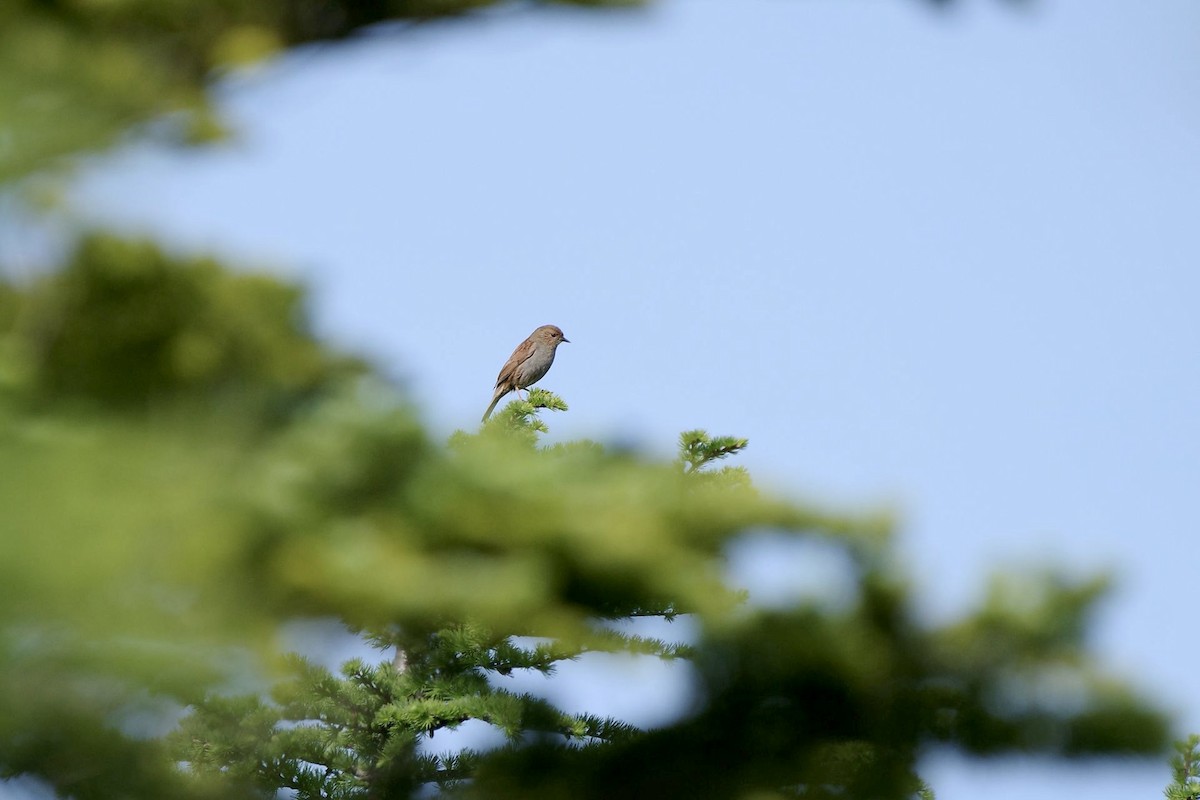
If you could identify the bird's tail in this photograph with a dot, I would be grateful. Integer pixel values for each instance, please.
(495, 400)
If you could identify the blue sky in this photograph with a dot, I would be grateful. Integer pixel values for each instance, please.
(943, 263)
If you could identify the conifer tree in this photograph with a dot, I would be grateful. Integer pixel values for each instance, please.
(161, 531)
(185, 468)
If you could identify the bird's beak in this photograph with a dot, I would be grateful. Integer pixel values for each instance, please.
(565, 339)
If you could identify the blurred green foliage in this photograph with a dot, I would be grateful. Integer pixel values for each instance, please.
(125, 324)
(183, 468)
(76, 75)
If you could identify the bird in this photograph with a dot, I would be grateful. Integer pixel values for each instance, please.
(528, 363)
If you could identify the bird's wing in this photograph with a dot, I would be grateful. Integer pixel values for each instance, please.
(519, 356)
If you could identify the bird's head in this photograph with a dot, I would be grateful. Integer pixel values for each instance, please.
(550, 334)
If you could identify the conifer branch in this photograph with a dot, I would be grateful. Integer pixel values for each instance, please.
(1185, 768)
(610, 641)
(697, 449)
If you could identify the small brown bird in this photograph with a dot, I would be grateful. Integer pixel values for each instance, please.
(528, 363)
